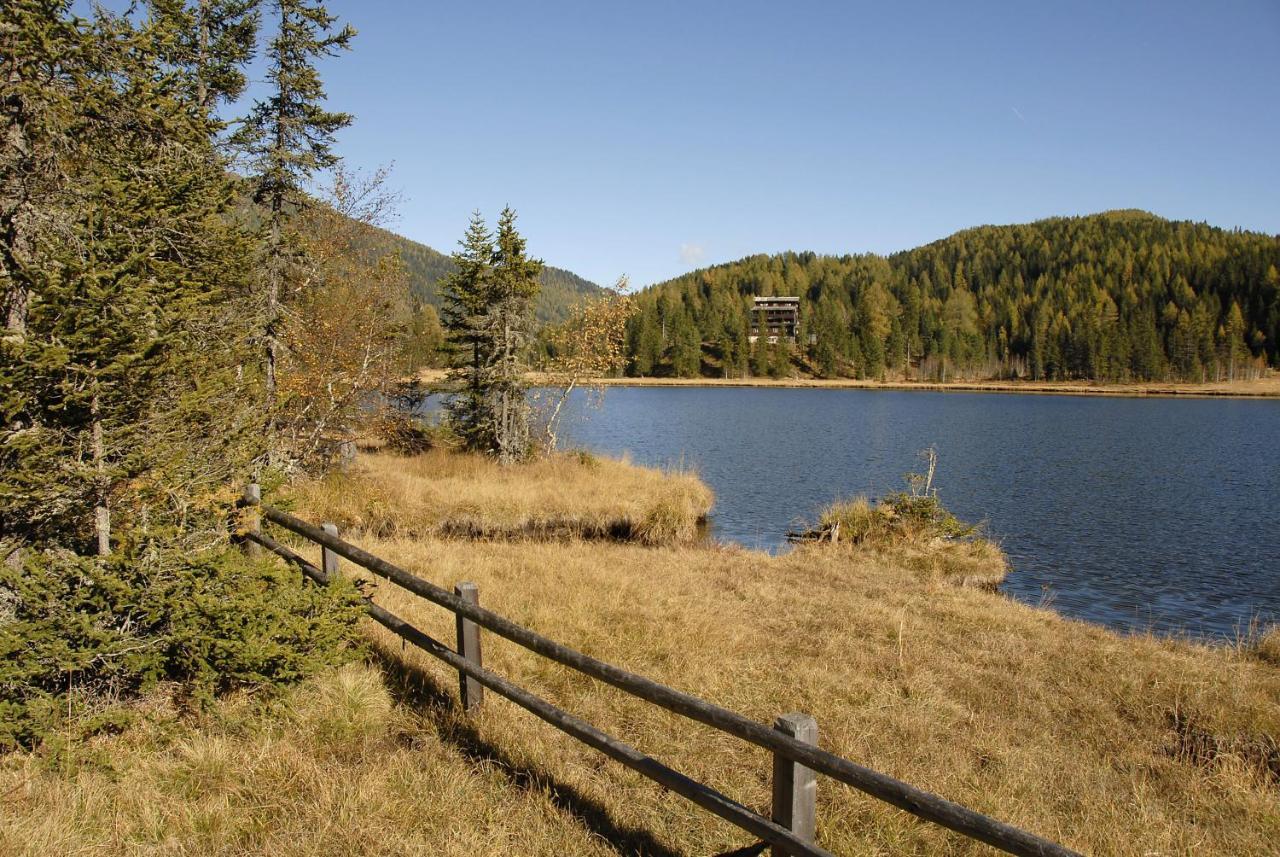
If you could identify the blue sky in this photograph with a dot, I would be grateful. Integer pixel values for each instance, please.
(650, 138)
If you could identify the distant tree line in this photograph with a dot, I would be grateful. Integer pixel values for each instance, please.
(1120, 296)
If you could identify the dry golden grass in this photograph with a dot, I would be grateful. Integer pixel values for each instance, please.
(568, 495)
(1266, 386)
(334, 768)
(1114, 745)
(1110, 744)
(1267, 646)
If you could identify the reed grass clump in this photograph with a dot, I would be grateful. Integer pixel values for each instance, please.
(919, 532)
(1267, 646)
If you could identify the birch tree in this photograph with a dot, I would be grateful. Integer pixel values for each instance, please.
(590, 345)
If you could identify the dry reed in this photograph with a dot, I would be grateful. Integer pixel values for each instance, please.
(572, 495)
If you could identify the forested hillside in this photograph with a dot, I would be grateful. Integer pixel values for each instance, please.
(1123, 295)
(561, 289)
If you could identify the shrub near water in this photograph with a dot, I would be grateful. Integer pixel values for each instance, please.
(919, 531)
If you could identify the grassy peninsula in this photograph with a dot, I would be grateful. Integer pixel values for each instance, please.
(1111, 744)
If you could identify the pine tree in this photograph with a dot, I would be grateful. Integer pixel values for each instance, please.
(124, 426)
(645, 342)
(780, 359)
(425, 343)
(686, 346)
(1233, 331)
(760, 361)
(288, 136)
(211, 40)
(488, 313)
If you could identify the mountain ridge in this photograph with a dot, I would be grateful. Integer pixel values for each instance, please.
(427, 266)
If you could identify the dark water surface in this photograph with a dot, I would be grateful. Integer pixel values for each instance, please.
(1136, 513)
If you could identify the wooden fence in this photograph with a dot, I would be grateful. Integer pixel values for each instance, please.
(792, 740)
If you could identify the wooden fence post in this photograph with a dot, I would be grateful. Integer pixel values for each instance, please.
(471, 691)
(795, 787)
(329, 559)
(251, 503)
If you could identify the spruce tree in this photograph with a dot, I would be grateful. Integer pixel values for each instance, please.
(124, 426)
(760, 361)
(466, 295)
(289, 136)
(126, 313)
(645, 342)
(211, 40)
(488, 312)
(45, 70)
(509, 326)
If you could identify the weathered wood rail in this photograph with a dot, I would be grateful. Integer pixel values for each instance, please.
(793, 739)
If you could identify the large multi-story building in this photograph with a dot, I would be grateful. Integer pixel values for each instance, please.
(776, 318)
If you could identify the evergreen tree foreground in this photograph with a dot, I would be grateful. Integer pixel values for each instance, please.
(129, 378)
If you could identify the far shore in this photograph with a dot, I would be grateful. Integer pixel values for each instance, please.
(1266, 387)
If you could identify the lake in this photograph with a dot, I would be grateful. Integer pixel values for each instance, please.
(1140, 514)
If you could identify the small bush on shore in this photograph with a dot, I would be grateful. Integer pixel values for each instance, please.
(1267, 646)
(927, 537)
(897, 517)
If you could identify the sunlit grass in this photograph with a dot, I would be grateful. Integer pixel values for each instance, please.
(1111, 744)
(572, 495)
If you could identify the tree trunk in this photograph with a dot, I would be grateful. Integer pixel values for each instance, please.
(202, 55)
(275, 273)
(274, 276)
(14, 201)
(101, 511)
(555, 414)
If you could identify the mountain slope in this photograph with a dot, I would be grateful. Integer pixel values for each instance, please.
(561, 289)
(1121, 295)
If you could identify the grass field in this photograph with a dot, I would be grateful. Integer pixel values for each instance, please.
(1110, 744)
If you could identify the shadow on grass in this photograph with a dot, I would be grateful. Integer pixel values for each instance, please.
(416, 689)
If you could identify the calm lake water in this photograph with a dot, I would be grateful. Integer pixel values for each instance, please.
(1137, 513)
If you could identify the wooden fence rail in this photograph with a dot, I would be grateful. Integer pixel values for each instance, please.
(792, 740)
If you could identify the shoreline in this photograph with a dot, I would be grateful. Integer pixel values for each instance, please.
(1266, 387)
(1263, 388)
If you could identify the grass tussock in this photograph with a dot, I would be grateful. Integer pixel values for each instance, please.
(572, 495)
(1267, 646)
(918, 532)
(1129, 745)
